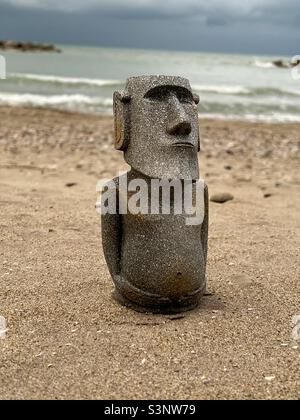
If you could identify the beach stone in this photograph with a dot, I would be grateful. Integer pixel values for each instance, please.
(157, 260)
(3, 328)
(221, 198)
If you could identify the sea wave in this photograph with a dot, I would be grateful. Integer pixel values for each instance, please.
(115, 84)
(253, 110)
(16, 99)
(264, 64)
(263, 118)
(225, 89)
(246, 91)
(64, 80)
(275, 91)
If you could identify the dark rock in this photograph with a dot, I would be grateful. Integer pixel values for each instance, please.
(295, 63)
(267, 195)
(281, 64)
(27, 46)
(71, 184)
(228, 167)
(221, 198)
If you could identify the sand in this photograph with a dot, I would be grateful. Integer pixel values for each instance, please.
(67, 337)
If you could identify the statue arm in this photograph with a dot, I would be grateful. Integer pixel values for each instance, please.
(204, 228)
(111, 226)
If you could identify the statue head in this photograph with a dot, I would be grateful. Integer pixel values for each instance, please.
(156, 125)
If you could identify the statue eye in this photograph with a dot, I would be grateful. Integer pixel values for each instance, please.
(157, 95)
(185, 100)
(184, 97)
(163, 93)
(158, 98)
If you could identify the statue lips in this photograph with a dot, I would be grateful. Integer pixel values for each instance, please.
(184, 144)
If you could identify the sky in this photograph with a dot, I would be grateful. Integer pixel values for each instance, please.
(230, 26)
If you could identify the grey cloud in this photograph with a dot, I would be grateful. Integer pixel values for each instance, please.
(215, 12)
(254, 26)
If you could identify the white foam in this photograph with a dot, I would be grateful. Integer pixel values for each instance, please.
(16, 99)
(65, 80)
(264, 118)
(292, 92)
(264, 64)
(225, 89)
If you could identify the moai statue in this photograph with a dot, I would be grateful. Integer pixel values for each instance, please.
(157, 261)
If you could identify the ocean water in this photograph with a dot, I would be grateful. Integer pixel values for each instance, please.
(84, 79)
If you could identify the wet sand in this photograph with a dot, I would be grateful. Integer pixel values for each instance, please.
(67, 337)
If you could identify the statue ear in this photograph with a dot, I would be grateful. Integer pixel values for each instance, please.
(197, 100)
(122, 120)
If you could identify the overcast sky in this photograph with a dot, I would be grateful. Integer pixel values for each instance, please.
(246, 26)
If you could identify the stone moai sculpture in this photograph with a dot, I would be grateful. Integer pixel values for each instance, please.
(157, 261)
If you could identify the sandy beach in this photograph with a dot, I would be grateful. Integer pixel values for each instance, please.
(67, 337)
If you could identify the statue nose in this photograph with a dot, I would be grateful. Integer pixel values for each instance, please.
(179, 128)
(179, 123)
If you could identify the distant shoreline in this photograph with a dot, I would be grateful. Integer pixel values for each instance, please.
(28, 46)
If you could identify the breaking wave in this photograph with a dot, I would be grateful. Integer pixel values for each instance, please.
(64, 80)
(264, 64)
(224, 89)
(65, 101)
(264, 118)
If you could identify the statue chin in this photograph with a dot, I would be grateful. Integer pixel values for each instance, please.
(181, 164)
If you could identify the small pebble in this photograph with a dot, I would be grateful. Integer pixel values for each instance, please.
(221, 198)
(3, 328)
